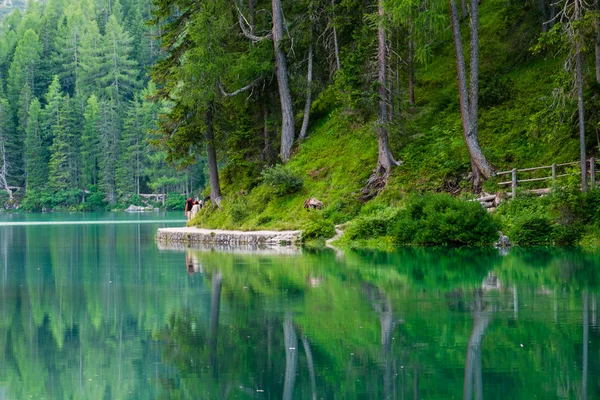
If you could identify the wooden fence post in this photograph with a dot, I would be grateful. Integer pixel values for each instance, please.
(593, 173)
(553, 173)
(514, 183)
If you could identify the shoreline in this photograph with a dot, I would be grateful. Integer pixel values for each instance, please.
(225, 237)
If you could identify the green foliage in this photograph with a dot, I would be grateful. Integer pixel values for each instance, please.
(175, 202)
(374, 224)
(317, 228)
(531, 229)
(442, 220)
(282, 180)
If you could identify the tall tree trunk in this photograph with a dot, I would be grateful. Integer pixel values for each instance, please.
(291, 357)
(307, 105)
(597, 41)
(582, 150)
(4, 169)
(580, 109)
(479, 164)
(411, 71)
(287, 111)
(543, 9)
(213, 170)
(335, 39)
(385, 159)
(252, 17)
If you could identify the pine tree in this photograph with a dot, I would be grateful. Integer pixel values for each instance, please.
(5, 130)
(91, 56)
(58, 168)
(35, 154)
(68, 46)
(119, 72)
(24, 67)
(90, 146)
(133, 151)
(109, 149)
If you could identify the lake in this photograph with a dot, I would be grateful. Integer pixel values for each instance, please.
(92, 308)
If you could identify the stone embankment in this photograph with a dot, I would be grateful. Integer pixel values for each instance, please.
(194, 235)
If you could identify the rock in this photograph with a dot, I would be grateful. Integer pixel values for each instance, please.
(503, 241)
(312, 203)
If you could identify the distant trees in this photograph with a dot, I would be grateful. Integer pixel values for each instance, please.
(75, 116)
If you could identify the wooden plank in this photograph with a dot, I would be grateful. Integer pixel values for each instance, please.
(503, 173)
(534, 179)
(533, 169)
(569, 163)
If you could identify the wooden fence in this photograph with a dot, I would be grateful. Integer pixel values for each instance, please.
(556, 171)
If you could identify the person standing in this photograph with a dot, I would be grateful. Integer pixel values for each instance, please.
(195, 208)
(188, 208)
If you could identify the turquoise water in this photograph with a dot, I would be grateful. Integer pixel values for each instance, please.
(92, 308)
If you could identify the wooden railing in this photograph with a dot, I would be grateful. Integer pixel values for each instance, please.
(553, 175)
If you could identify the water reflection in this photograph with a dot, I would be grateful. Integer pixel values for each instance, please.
(99, 311)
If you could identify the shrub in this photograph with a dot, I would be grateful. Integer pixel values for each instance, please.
(370, 226)
(175, 202)
(238, 209)
(317, 229)
(531, 229)
(567, 235)
(282, 180)
(442, 220)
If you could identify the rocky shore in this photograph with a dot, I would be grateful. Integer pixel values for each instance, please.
(216, 236)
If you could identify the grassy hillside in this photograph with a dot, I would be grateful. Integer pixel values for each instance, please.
(520, 125)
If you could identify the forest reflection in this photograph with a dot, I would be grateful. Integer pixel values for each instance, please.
(100, 312)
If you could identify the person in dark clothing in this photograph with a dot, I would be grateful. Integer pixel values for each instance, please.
(188, 208)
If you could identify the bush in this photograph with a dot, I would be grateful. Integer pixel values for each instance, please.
(238, 209)
(442, 220)
(531, 229)
(567, 235)
(282, 180)
(175, 202)
(370, 226)
(317, 229)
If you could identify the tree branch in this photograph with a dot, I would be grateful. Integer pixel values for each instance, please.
(244, 25)
(250, 85)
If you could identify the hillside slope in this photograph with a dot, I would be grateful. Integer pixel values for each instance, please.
(520, 126)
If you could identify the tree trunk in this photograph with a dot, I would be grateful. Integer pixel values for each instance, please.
(385, 159)
(213, 170)
(479, 163)
(291, 357)
(287, 111)
(582, 151)
(580, 109)
(307, 105)
(597, 41)
(335, 39)
(411, 71)
(542, 5)
(252, 17)
(4, 169)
